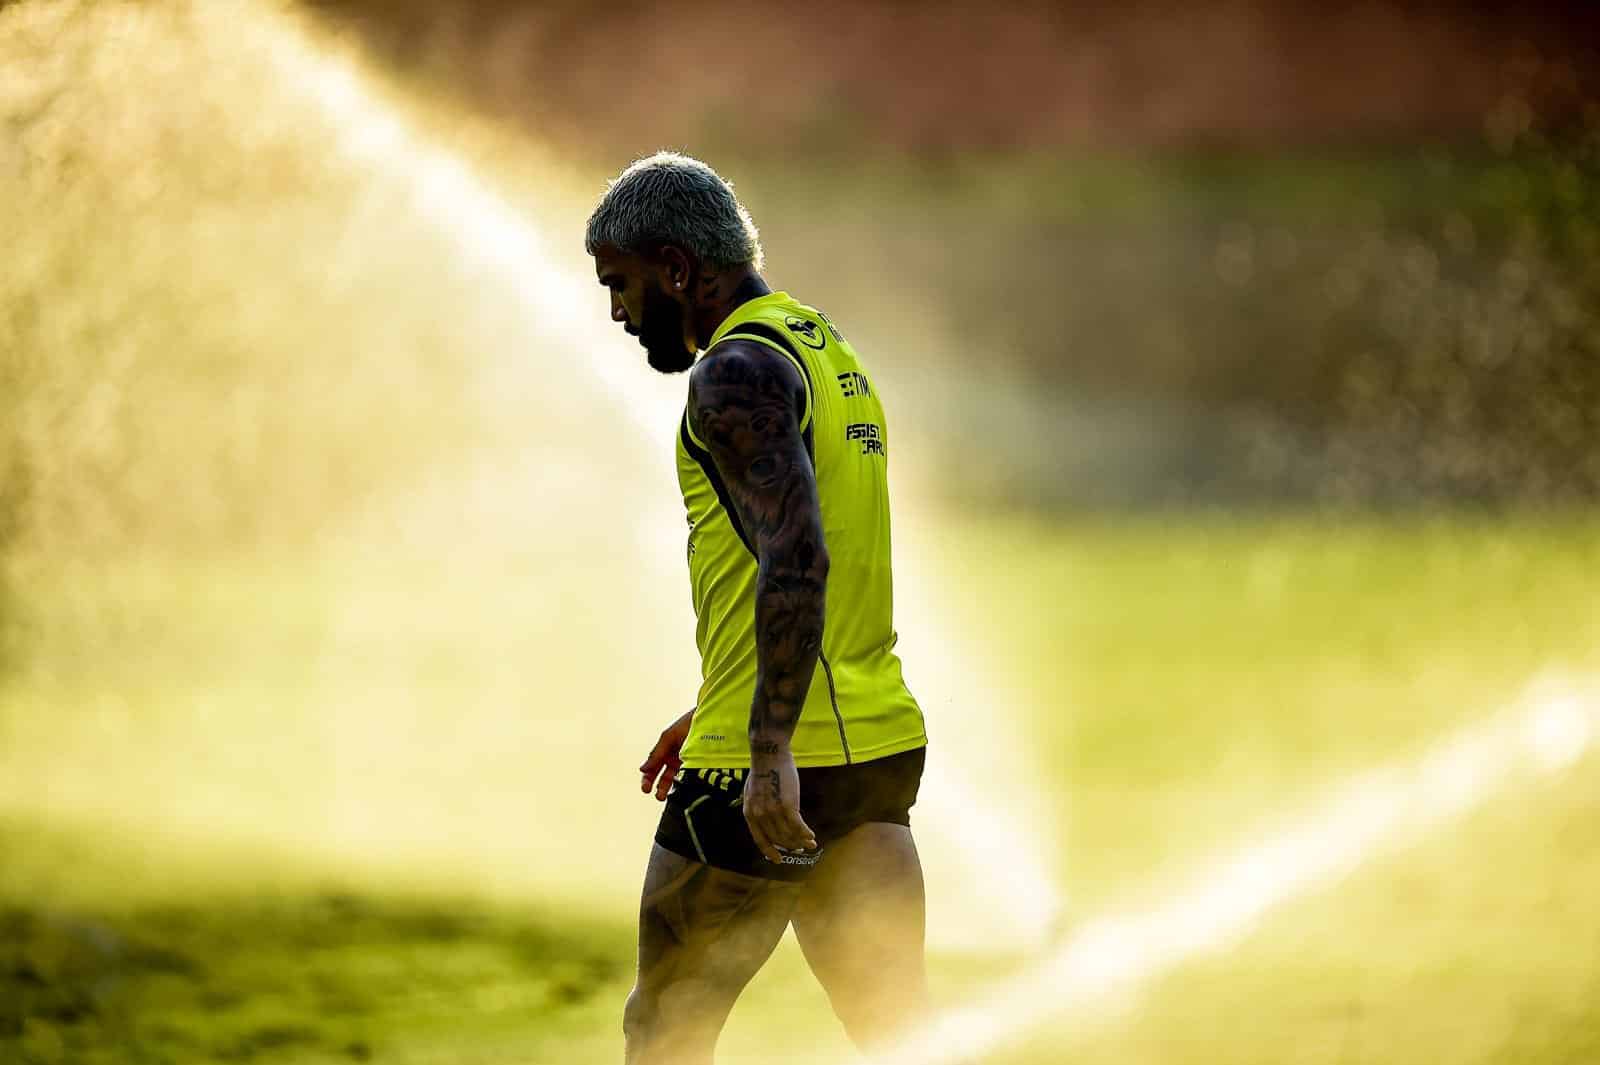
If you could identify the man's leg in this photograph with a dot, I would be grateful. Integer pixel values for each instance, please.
(860, 921)
(703, 933)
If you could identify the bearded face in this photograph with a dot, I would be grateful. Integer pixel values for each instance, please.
(661, 331)
(641, 304)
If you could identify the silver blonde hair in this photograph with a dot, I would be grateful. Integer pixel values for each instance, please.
(669, 198)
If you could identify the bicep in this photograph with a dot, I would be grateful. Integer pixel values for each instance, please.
(746, 407)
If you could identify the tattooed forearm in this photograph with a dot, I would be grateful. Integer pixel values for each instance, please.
(744, 403)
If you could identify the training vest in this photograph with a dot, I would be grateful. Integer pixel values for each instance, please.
(858, 707)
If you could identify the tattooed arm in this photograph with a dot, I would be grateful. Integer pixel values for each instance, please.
(744, 403)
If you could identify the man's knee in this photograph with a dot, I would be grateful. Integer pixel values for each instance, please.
(875, 1019)
(638, 1015)
(871, 966)
(677, 1023)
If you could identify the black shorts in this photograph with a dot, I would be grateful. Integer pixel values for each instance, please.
(704, 818)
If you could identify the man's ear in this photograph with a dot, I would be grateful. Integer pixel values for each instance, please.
(676, 268)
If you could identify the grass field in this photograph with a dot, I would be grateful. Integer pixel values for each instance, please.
(186, 878)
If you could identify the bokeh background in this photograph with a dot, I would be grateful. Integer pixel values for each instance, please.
(1244, 361)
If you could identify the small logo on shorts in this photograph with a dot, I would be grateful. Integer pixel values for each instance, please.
(799, 857)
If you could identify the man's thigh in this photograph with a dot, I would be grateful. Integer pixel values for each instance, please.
(689, 908)
(703, 933)
(861, 922)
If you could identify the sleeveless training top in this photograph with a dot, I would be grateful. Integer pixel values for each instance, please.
(858, 707)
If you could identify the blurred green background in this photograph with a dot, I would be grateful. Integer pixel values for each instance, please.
(1247, 395)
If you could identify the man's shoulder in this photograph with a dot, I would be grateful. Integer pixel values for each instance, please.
(736, 357)
(741, 368)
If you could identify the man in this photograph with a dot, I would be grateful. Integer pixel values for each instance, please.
(803, 755)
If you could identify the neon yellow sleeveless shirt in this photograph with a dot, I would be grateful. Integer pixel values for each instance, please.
(858, 707)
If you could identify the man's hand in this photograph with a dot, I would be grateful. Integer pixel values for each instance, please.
(772, 803)
(664, 758)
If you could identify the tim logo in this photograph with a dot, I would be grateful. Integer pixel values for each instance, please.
(854, 384)
(870, 435)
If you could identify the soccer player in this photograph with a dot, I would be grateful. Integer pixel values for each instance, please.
(791, 781)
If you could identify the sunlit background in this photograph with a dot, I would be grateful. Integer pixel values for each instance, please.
(1245, 370)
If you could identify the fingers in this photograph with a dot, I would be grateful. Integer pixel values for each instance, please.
(657, 755)
(660, 775)
(763, 844)
(661, 754)
(778, 829)
(798, 831)
(670, 774)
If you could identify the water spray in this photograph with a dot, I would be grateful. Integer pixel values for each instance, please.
(566, 310)
(1109, 959)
